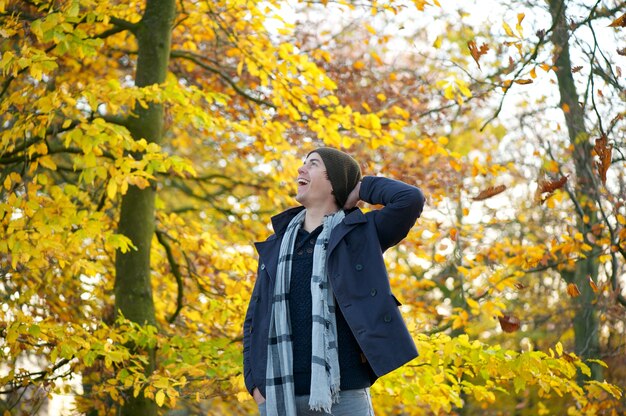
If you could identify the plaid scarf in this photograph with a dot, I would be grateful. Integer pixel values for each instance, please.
(280, 396)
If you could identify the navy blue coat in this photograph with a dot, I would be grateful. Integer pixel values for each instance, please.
(357, 275)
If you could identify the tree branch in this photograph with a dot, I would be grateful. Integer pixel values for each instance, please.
(197, 60)
(175, 271)
(35, 376)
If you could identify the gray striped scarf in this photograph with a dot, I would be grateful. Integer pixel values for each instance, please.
(280, 395)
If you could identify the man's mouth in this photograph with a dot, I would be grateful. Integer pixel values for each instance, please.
(302, 182)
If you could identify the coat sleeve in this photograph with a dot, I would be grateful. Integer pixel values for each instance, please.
(402, 205)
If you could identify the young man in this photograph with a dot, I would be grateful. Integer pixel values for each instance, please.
(322, 324)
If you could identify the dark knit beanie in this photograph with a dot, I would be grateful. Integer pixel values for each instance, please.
(343, 172)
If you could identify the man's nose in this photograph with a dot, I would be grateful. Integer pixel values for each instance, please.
(301, 170)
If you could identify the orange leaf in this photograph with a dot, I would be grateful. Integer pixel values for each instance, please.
(453, 234)
(565, 107)
(509, 323)
(572, 290)
(523, 81)
(489, 192)
(548, 187)
(593, 285)
(476, 51)
(603, 150)
(619, 22)
(576, 69)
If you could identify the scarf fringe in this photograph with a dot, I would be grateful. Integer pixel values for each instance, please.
(318, 406)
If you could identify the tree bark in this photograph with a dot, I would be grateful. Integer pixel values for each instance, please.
(586, 324)
(133, 290)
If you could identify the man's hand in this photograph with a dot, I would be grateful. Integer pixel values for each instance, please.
(258, 398)
(353, 198)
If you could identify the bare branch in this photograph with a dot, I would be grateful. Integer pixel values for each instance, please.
(175, 271)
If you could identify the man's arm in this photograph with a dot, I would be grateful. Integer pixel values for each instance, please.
(403, 204)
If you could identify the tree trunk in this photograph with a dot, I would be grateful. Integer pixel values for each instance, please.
(133, 290)
(586, 324)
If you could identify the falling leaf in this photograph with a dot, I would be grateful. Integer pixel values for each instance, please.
(509, 323)
(576, 69)
(523, 81)
(619, 22)
(593, 285)
(572, 290)
(520, 286)
(548, 187)
(476, 51)
(603, 151)
(489, 192)
(565, 107)
(453, 233)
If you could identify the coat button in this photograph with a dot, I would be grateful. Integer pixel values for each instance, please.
(263, 267)
(387, 318)
(358, 267)
(373, 292)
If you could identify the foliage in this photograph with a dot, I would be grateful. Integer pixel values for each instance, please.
(483, 275)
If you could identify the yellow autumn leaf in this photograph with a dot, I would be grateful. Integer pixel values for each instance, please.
(111, 189)
(507, 29)
(47, 162)
(159, 398)
(559, 348)
(472, 303)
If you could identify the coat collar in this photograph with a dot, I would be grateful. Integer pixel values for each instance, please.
(268, 249)
(281, 221)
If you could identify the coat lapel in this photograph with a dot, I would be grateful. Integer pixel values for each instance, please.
(268, 255)
(269, 249)
(351, 220)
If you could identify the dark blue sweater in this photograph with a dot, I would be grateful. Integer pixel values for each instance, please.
(354, 370)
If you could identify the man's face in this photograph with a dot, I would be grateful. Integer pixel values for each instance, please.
(314, 188)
